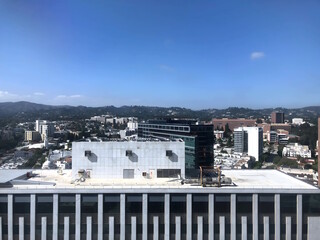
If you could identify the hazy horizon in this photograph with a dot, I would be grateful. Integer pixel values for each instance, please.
(194, 109)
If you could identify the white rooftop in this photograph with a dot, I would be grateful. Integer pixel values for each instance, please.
(242, 179)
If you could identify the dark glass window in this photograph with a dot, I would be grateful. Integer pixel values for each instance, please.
(168, 173)
(4, 215)
(288, 203)
(67, 208)
(266, 209)
(200, 209)
(156, 209)
(21, 208)
(134, 209)
(244, 209)
(310, 208)
(222, 209)
(89, 208)
(44, 208)
(111, 208)
(177, 209)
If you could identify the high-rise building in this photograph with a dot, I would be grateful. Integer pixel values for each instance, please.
(45, 128)
(32, 136)
(198, 138)
(277, 117)
(249, 140)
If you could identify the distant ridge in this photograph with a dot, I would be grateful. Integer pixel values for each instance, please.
(27, 111)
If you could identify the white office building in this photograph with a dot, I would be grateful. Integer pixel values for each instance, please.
(249, 140)
(128, 159)
(295, 150)
(297, 121)
(45, 128)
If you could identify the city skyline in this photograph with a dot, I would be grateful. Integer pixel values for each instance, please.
(195, 55)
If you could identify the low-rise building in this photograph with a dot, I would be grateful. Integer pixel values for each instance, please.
(218, 134)
(296, 150)
(233, 123)
(297, 121)
(129, 159)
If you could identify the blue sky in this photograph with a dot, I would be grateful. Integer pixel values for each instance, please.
(194, 54)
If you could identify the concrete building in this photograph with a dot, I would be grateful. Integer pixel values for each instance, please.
(283, 139)
(261, 204)
(272, 137)
(218, 134)
(221, 123)
(198, 138)
(132, 124)
(297, 121)
(295, 150)
(249, 140)
(277, 117)
(133, 159)
(32, 136)
(45, 128)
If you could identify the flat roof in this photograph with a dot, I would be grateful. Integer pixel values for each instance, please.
(7, 175)
(242, 179)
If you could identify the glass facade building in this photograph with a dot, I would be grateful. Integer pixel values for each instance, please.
(199, 139)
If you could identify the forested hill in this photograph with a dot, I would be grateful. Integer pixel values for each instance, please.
(27, 111)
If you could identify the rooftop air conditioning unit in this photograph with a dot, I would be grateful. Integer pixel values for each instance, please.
(168, 153)
(128, 153)
(87, 153)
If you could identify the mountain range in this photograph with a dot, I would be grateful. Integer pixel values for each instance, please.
(27, 111)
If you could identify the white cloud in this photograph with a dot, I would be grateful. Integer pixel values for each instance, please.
(38, 94)
(61, 96)
(75, 96)
(5, 95)
(69, 96)
(257, 55)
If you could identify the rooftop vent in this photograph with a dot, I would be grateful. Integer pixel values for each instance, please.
(128, 153)
(87, 153)
(168, 153)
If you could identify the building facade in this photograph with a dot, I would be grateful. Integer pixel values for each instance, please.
(288, 210)
(45, 128)
(32, 136)
(277, 117)
(129, 159)
(220, 123)
(199, 139)
(249, 140)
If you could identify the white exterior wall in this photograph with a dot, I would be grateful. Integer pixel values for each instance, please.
(132, 125)
(253, 141)
(297, 121)
(109, 158)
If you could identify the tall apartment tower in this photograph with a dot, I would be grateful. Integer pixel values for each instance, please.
(45, 128)
(277, 117)
(249, 140)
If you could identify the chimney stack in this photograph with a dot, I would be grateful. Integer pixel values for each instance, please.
(319, 151)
